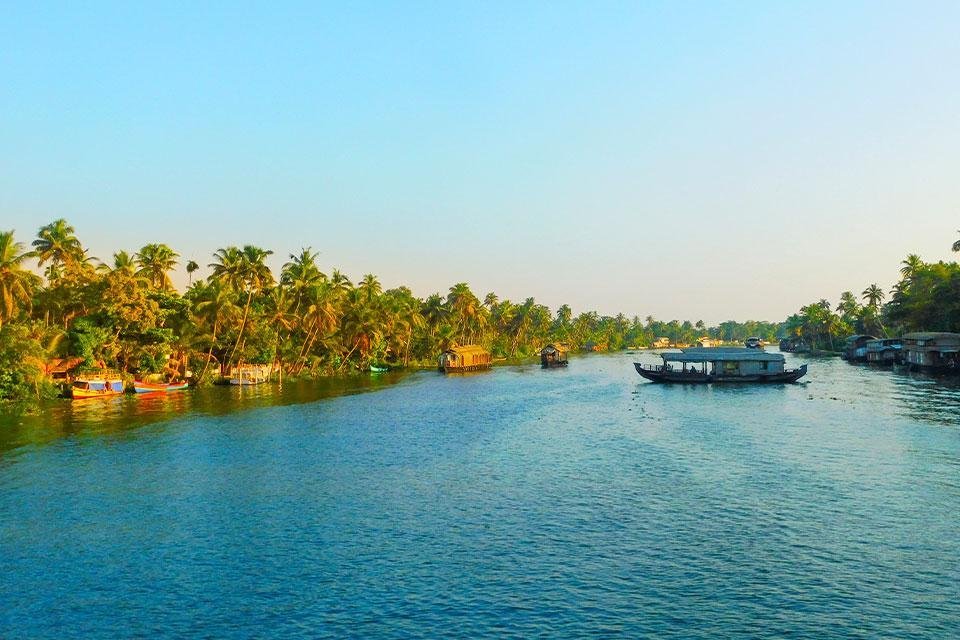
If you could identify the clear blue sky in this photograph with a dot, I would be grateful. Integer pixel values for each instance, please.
(686, 160)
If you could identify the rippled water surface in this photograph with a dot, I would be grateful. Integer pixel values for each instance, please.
(582, 502)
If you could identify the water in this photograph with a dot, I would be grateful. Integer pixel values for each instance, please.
(583, 502)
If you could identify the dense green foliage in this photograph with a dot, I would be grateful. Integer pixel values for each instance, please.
(125, 314)
(927, 298)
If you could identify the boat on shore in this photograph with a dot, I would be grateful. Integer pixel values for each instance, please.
(139, 386)
(712, 365)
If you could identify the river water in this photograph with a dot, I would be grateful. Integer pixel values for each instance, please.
(582, 502)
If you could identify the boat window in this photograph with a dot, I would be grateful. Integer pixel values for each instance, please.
(764, 365)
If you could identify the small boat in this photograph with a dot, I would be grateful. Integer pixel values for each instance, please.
(711, 365)
(95, 387)
(751, 343)
(379, 368)
(158, 387)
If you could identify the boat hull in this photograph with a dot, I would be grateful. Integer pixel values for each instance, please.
(150, 387)
(680, 377)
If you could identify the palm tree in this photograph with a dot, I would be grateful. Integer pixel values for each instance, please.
(16, 283)
(873, 296)
(215, 307)
(155, 261)
(57, 244)
(911, 265)
(244, 271)
(191, 267)
(370, 288)
(124, 262)
(300, 275)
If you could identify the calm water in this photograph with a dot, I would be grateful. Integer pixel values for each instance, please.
(567, 503)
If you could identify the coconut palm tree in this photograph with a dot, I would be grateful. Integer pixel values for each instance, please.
(370, 288)
(245, 271)
(156, 261)
(911, 265)
(16, 283)
(300, 275)
(873, 296)
(57, 244)
(191, 267)
(215, 308)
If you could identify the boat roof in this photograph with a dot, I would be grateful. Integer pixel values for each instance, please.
(930, 335)
(717, 354)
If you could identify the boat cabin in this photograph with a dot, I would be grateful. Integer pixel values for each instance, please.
(735, 361)
(469, 357)
(554, 355)
(884, 351)
(932, 351)
(855, 348)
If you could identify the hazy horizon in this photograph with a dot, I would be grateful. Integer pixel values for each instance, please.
(682, 161)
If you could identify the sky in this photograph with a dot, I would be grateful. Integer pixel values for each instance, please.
(686, 160)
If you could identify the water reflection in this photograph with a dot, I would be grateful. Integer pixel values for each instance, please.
(116, 414)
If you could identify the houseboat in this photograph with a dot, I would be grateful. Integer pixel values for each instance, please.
(753, 343)
(466, 358)
(793, 345)
(96, 385)
(855, 348)
(554, 355)
(720, 364)
(707, 341)
(884, 351)
(932, 351)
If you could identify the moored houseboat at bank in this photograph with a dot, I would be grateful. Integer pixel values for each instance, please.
(554, 355)
(932, 351)
(855, 348)
(469, 357)
(713, 365)
(884, 351)
(793, 345)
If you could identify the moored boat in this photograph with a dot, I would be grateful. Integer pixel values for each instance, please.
(710, 365)
(140, 386)
(96, 386)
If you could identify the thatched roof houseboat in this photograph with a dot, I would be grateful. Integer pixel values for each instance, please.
(932, 351)
(469, 357)
(554, 355)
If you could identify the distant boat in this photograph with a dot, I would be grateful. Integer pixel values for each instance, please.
(709, 365)
(379, 368)
(157, 387)
(752, 343)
